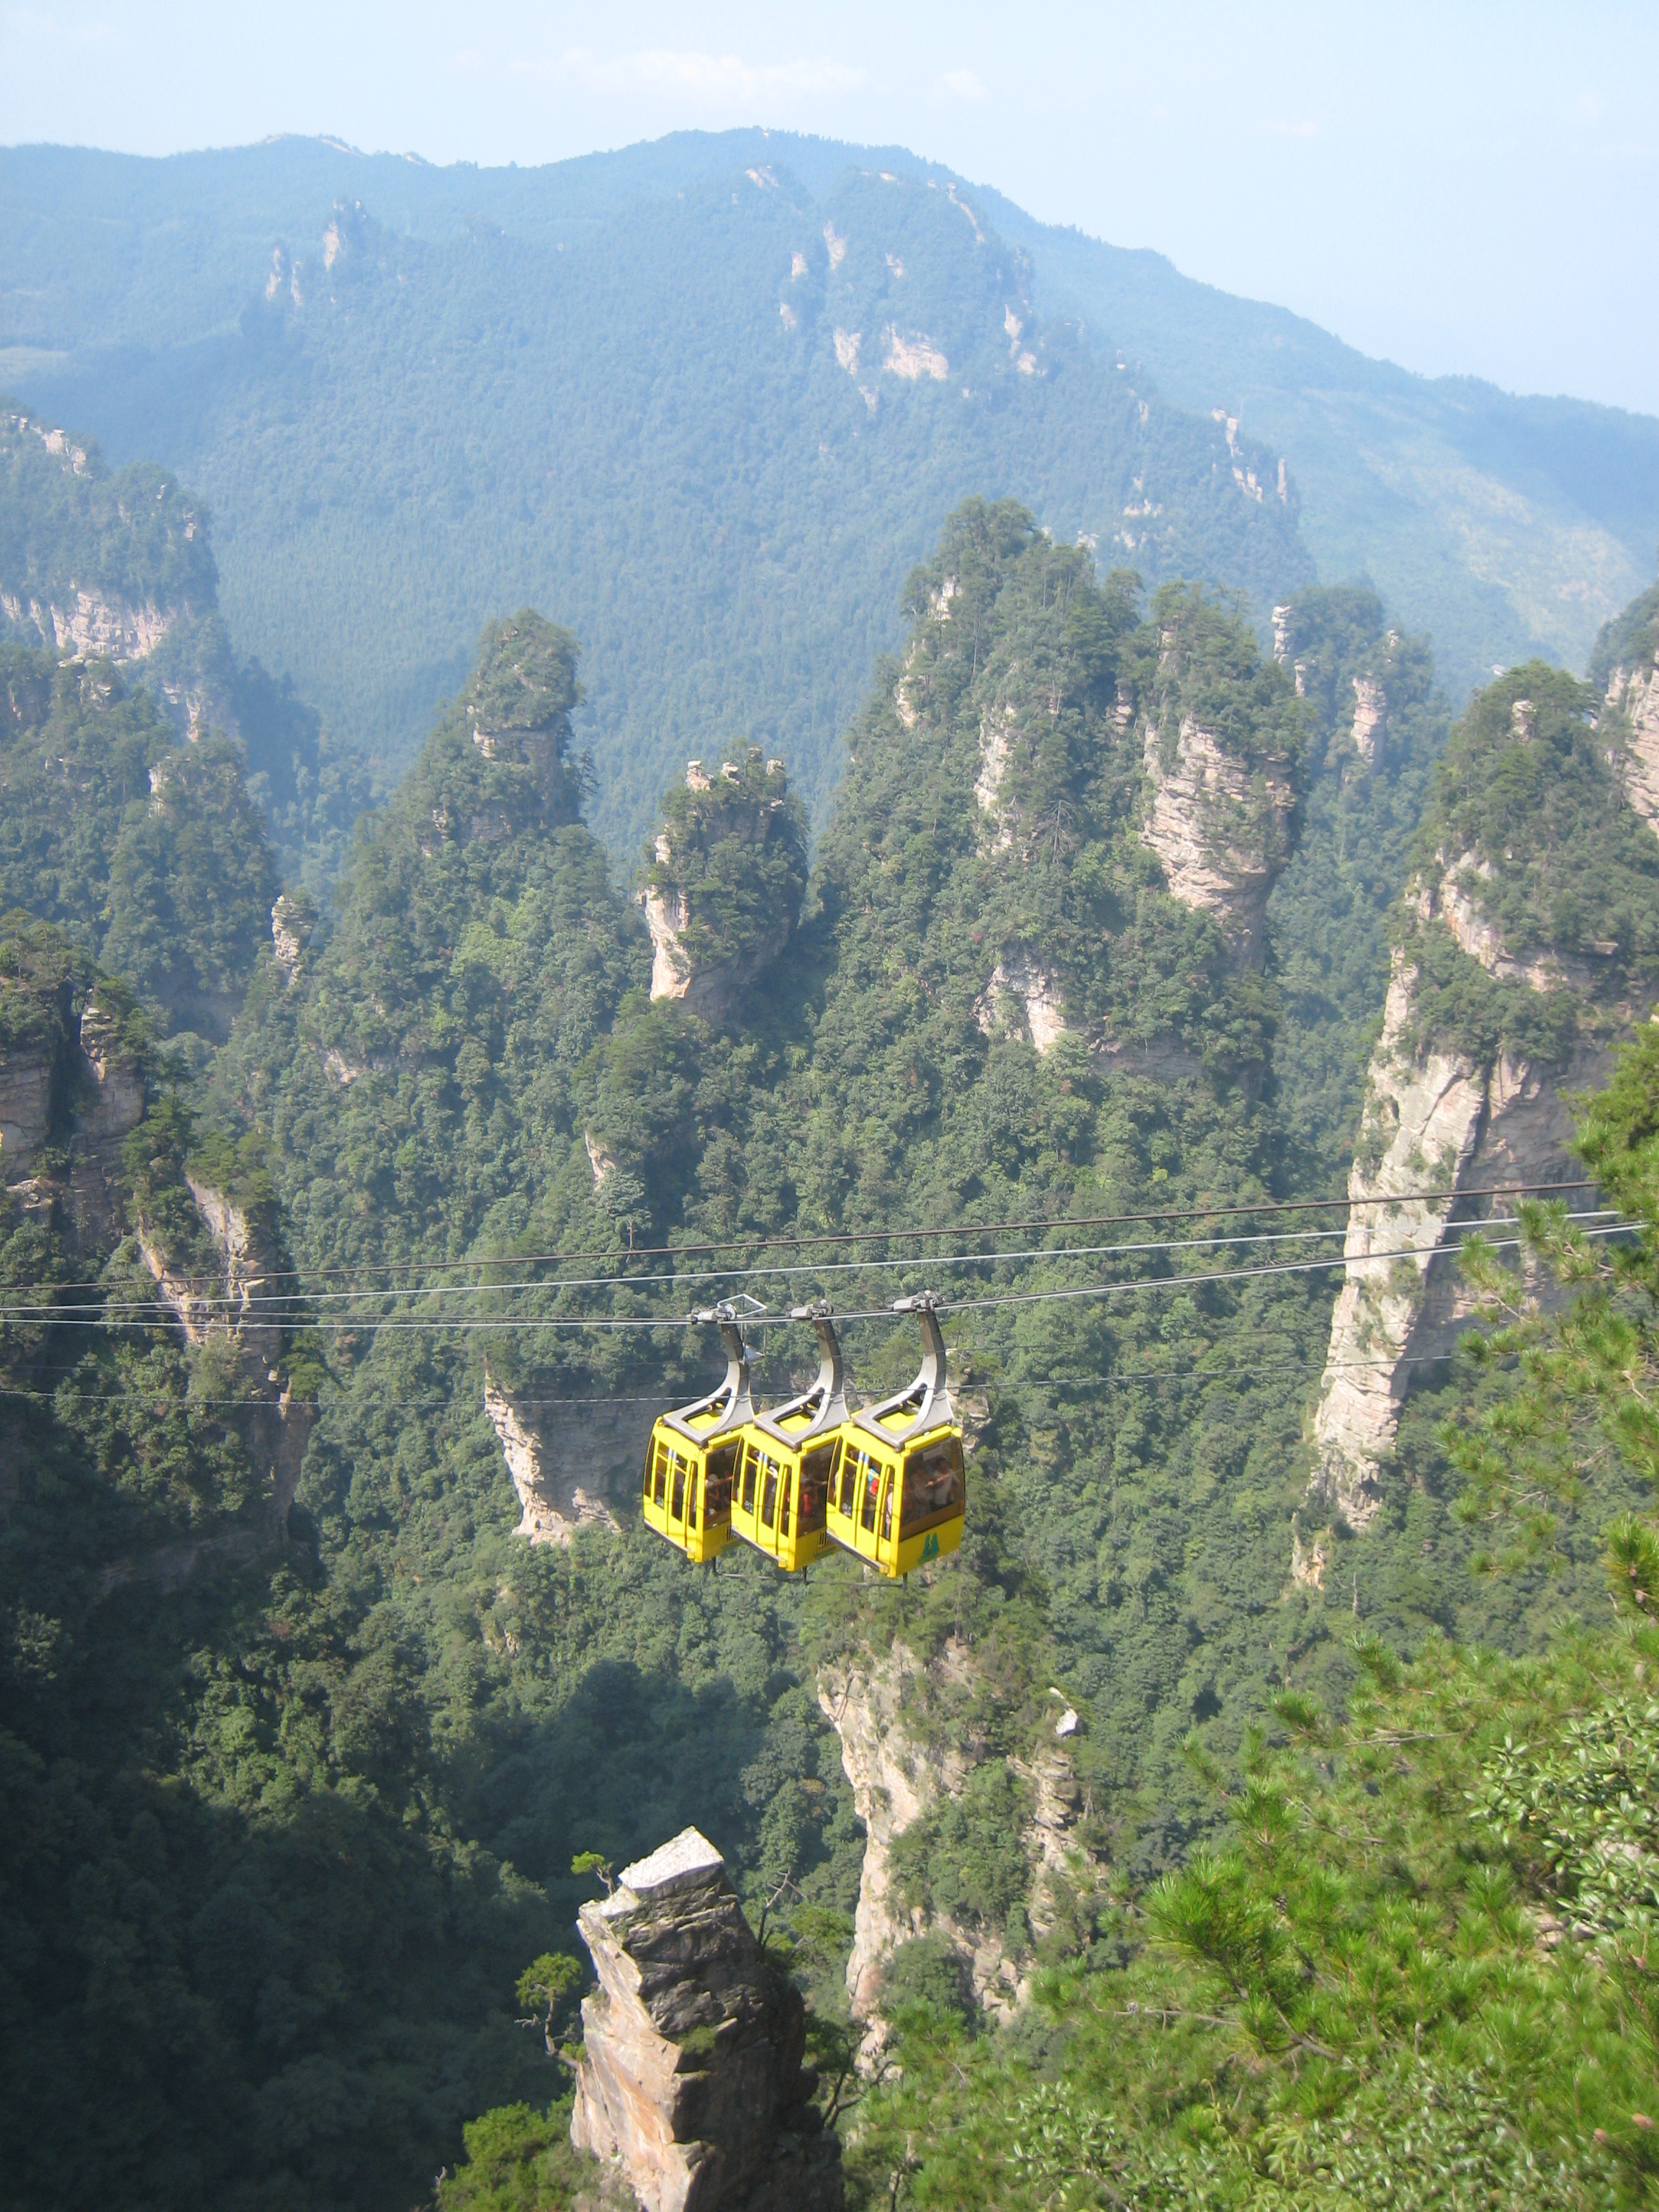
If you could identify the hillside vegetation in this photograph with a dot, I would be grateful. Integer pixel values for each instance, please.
(305, 1741)
(725, 517)
(150, 854)
(119, 565)
(516, 427)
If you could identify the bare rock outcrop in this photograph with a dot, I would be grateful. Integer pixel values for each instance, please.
(226, 1306)
(723, 887)
(561, 1467)
(1632, 697)
(1218, 824)
(893, 1784)
(895, 1779)
(110, 1103)
(291, 923)
(1022, 993)
(692, 2079)
(1370, 716)
(94, 624)
(26, 1073)
(1434, 1121)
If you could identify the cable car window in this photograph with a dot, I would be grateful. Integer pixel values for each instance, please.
(691, 1498)
(769, 1493)
(663, 1457)
(650, 1456)
(818, 1475)
(785, 1493)
(887, 1510)
(676, 1503)
(849, 1478)
(750, 1461)
(871, 1471)
(933, 1484)
(719, 1471)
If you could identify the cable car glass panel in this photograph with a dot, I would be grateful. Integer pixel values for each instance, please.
(933, 1485)
(719, 1469)
(818, 1477)
(870, 1468)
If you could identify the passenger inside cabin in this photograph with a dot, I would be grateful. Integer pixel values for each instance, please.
(932, 1482)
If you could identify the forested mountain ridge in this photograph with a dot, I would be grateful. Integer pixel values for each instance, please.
(119, 567)
(149, 853)
(1525, 946)
(1505, 526)
(770, 558)
(1096, 926)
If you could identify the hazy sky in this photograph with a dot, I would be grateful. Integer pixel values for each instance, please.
(1458, 186)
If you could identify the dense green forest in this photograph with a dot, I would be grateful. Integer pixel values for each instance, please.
(95, 562)
(300, 1756)
(150, 855)
(392, 464)
(769, 557)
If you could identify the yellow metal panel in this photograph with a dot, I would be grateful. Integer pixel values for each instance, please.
(865, 1512)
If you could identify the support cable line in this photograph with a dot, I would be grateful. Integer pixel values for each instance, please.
(252, 1309)
(619, 1324)
(1050, 1223)
(1004, 1385)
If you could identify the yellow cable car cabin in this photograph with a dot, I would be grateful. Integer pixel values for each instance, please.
(899, 1493)
(789, 1458)
(692, 1461)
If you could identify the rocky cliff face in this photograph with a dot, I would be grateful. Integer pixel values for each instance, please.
(723, 883)
(692, 2079)
(563, 1459)
(110, 1095)
(26, 1087)
(1218, 824)
(1435, 1120)
(99, 568)
(94, 624)
(1221, 742)
(225, 1306)
(1628, 671)
(895, 1779)
(1523, 952)
(1022, 994)
(893, 1782)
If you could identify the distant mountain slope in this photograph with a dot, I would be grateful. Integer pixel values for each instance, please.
(717, 518)
(119, 567)
(1508, 525)
(711, 427)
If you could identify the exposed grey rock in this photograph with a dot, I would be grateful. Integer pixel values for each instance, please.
(25, 1076)
(560, 1467)
(1024, 992)
(896, 1777)
(290, 926)
(1216, 825)
(1434, 1121)
(691, 2078)
(1370, 713)
(1633, 705)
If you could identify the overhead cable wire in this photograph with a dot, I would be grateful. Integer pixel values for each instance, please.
(620, 1324)
(961, 1385)
(761, 1238)
(253, 1309)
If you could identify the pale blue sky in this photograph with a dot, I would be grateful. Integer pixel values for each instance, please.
(1460, 187)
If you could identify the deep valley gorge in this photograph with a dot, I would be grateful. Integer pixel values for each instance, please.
(917, 811)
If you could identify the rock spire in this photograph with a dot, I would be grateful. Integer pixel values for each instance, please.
(691, 2077)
